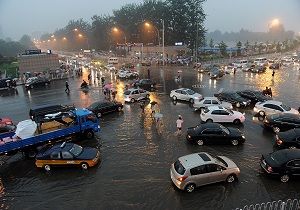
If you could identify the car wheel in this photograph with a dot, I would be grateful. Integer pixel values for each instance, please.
(190, 188)
(234, 142)
(99, 115)
(119, 109)
(209, 121)
(174, 98)
(132, 100)
(238, 105)
(147, 96)
(200, 142)
(231, 178)
(89, 134)
(31, 86)
(47, 167)
(284, 178)
(236, 121)
(191, 101)
(84, 166)
(292, 147)
(261, 113)
(276, 129)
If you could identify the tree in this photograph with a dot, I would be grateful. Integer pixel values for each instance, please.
(211, 43)
(223, 48)
(278, 47)
(26, 41)
(239, 46)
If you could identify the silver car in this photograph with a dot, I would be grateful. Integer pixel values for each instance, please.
(133, 94)
(198, 169)
(211, 101)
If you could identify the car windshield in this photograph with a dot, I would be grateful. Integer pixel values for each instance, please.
(220, 161)
(93, 106)
(179, 167)
(76, 150)
(285, 107)
(127, 92)
(190, 92)
(230, 111)
(226, 130)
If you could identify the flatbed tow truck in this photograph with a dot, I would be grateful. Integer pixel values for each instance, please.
(81, 122)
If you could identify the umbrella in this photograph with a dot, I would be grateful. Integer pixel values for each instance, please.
(153, 102)
(26, 129)
(108, 86)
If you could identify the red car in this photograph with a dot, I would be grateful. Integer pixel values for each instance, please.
(5, 121)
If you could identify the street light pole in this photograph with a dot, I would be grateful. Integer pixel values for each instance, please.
(163, 41)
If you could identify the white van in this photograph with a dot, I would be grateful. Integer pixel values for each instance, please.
(261, 61)
(240, 63)
(113, 60)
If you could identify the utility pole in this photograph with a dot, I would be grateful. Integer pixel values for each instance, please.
(196, 53)
(163, 41)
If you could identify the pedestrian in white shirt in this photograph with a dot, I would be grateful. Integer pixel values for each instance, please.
(179, 123)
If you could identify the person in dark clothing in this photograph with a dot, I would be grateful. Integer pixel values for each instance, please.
(148, 73)
(84, 84)
(67, 90)
(273, 73)
(142, 106)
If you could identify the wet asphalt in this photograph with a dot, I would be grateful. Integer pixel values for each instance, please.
(136, 157)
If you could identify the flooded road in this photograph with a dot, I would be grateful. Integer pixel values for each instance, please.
(136, 157)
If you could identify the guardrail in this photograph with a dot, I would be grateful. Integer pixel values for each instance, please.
(274, 205)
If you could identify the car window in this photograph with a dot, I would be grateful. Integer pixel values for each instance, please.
(223, 112)
(91, 117)
(218, 132)
(127, 92)
(207, 102)
(211, 168)
(216, 112)
(142, 91)
(277, 108)
(208, 131)
(190, 92)
(179, 167)
(178, 91)
(198, 170)
(66, 155)
(285, 107)
(224, 129)
(135, 92)
(268, 106)
(215, 102)
(55, 155)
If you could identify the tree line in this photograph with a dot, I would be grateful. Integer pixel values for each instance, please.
(9, 48)
(182, 20)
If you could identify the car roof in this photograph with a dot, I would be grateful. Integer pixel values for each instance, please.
(182, 89)
(273, 102)
(285, 115)
(65, 146)
(195, 159)
(215, 108)
(210, 98)
(209, 125)
(287, 154)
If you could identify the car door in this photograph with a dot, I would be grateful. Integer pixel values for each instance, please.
(184, 95)
(216, 116)
(269, 109)
(199, 175)
(135, 94)
(207, 135)
(225, 116)
(294, 167)
(67, 158)
(215, 172)
(219, 136)
(287, 123)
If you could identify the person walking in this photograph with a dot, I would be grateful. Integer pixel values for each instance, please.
(148, 73)
(142, 106)
(179, 123)
(67, 90)
(273, 73)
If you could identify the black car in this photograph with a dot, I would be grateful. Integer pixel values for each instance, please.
(210, 133)
(216, 72)
(233, 98)
(283, 163)
(289, 139)
(258, 69)
(100, 107)
(36, 82)
(282, 122)
(146, 84)
(254, 95)
(275, 66)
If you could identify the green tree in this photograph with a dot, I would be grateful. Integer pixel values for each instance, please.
(26, 41)
(211, 43)
(239, 46)
(223, 47)
(278, 47)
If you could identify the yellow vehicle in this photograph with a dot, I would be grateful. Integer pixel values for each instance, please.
(67, 154)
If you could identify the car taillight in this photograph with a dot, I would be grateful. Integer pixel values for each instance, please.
(8, 123)
(189, 136)
(181, 179)
(279, 142)
(270, 169)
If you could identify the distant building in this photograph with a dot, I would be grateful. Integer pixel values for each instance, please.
(35, 61)
(156, 51)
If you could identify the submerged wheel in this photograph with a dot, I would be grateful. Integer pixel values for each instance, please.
(47, 167)
(236, 121)
(84, 166)
(284, 178)
(231, 178)
(209, 121)
(174, 98)
(89, 134)
(132, 100)
(234, 142)
(200, 142)
(190, 188)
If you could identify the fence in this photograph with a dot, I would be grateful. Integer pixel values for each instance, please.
(275, 205)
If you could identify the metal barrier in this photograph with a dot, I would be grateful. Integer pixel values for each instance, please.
(275, 205)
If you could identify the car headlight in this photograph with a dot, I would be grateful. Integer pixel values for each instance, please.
(243, 137)
(245, 102)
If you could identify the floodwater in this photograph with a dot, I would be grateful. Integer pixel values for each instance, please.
(136, 157)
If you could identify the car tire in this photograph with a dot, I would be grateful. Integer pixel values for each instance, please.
(119, 109)
(238, 105)
(47, 167)
(284, 178)
(174, 98)
(231, 178)
(236, 121)
(209, 121)
(99, 114)
(262, 113)
(190, 188)
(132, 100)
(234, 142)
(276, 129)
(200, 142)
(191, 101)
(89, 134)
(84, 166)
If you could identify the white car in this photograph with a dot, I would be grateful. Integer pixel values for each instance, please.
(211, 101)
(134, 94)
(185, 94)
(272, 107)
(125, 74)
(221, 114)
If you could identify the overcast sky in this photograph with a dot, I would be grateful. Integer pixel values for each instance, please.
(18, 17)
